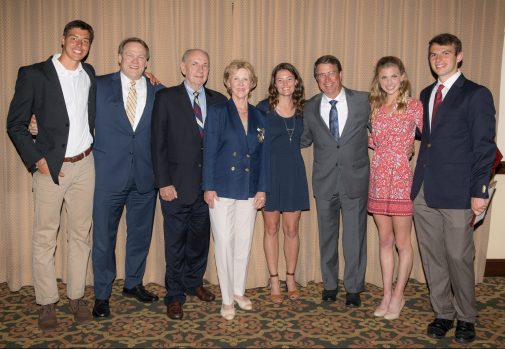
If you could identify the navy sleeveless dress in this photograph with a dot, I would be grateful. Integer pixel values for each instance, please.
(288, 186)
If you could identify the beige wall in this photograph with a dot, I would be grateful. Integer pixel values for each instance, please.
(496, 248)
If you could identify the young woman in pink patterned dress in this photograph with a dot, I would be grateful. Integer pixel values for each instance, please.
(394, 119)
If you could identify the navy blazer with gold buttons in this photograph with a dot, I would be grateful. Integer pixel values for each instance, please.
(456, 157)
(235, 165)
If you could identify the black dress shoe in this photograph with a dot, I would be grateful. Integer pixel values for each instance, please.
(352, 300)
(439, 327)
(465, 332)
(140, 293)
(174, 311)
(329, 295)
(101, 309)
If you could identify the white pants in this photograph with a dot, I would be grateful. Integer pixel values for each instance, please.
(232, 223)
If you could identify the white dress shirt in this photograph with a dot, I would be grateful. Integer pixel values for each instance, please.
(141, 87)
(75, 85)
(341, 109)
(447, 86)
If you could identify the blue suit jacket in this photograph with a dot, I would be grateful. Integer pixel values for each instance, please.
(235, 165)
(455, 157)
(118, 150)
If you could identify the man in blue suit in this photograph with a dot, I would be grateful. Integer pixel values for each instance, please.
(451, 184)
(124, 174)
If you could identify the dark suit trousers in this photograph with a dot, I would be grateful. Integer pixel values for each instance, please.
(187, 234)
(447, 250)
(107, 210)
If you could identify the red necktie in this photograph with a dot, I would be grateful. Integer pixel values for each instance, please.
(436, 104)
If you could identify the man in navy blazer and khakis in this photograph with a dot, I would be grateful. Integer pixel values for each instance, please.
(450, 185)
(60, 92)
(124, 174)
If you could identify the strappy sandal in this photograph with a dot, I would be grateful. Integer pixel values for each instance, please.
(276, 298)
(293, 295)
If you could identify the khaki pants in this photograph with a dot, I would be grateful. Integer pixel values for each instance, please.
(76, 190)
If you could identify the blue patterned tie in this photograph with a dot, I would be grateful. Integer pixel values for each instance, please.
(334, 121)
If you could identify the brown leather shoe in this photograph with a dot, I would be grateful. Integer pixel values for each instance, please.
(204, 294)
(80, 310)
(174, 311)
(47, 317)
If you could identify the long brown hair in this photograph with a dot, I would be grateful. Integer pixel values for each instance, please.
(378, 95)
(298, 96)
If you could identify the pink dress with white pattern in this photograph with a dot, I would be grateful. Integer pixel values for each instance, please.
(390, 173)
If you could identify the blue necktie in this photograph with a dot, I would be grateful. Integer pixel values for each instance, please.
(334, 121)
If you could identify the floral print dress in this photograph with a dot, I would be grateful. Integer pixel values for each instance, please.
(392, 139)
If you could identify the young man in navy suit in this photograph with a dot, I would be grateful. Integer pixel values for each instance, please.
(124, 174)
(177, 132)
(451, 184)
(60, 92)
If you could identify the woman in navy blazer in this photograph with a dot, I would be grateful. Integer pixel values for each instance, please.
(235, 161)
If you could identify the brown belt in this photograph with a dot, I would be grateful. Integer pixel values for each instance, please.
(78, 156)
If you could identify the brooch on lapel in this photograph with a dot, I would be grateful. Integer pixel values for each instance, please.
(261, 134)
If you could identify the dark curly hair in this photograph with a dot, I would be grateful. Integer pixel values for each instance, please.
(299, 93)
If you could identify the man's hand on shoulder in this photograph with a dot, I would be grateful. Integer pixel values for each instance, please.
(153, 79)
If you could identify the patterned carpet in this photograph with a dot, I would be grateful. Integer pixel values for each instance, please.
(306, 323)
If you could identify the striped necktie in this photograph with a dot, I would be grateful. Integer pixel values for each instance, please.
(198, 112)
(131, 103)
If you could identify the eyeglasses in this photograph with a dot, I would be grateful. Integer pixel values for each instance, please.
(330, 74)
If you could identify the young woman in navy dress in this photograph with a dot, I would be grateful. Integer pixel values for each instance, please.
(288, 194)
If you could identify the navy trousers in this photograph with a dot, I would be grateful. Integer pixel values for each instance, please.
(107, 211)
(187, 235)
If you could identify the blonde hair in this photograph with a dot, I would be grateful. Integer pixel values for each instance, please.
(378, 95)
(233, 67)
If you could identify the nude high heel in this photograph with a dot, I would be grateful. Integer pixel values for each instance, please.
(394, 315)
(294, 294)
(276, 298)
(380, 311)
